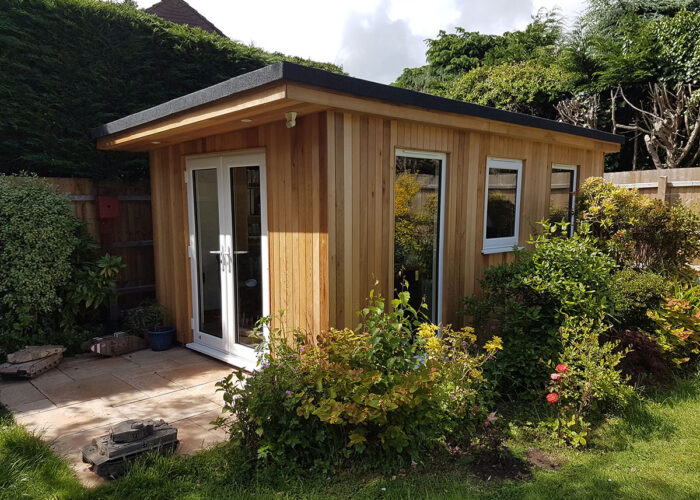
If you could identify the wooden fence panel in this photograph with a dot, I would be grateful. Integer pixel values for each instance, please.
(672, 185)
(675, 184)
(129, 236)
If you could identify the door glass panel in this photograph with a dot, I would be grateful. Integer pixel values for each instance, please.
(416, 228)
(502, 196)
(206, 212)
(247, 251)
(561, 196)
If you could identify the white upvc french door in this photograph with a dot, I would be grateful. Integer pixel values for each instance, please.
(228, 253)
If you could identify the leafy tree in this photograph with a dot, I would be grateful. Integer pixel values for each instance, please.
(528, 87)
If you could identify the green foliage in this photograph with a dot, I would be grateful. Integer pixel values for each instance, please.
(638, 231)
(527, 301)
(637, 292)
(586, 379)
(490, 59)
(527, 87)
(379, 394)
(677, 324)
(51, 277)
(71, 65)
(29, 468)
(414, 226)
(643, 50)
(145, 317)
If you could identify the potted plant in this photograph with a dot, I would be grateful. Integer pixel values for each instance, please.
(153, 320)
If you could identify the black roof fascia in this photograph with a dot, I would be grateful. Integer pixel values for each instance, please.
(346, 84)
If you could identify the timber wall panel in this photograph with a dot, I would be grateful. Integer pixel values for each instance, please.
(361, 221)
(297, 224)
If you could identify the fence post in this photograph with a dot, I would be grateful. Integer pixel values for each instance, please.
(661, 189)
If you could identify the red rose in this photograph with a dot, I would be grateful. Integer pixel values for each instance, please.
(552, 397)
(562, 368)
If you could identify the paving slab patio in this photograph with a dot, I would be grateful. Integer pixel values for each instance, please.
(80, 400)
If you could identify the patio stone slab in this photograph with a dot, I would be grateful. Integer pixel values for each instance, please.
(198, 373)
(105, 386)
(35, 406)
(80, 400)
(150, 384)
(50, 379)
(66, 420)
(170, 407)
(98, 366)
(16, 394)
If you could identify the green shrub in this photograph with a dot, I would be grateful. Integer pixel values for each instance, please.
(526, 302)
(51, 275)
(71, 65)
(378, 395)
(142, 318)
(637, 292)
(585, 380)
(676, 324)
(639, 231)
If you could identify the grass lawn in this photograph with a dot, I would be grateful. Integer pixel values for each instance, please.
(651, 452)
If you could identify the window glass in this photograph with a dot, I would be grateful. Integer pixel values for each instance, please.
(417, 229)
(502, 199)
(562, 195)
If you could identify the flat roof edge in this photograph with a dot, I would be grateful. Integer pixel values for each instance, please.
(344, 84)
(246, 81)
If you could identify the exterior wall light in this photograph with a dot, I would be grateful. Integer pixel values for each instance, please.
(291, 117)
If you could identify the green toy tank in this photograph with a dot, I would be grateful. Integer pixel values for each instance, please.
(109, 454)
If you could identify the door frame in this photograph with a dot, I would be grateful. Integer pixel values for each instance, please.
(431, 155)
(228, 350)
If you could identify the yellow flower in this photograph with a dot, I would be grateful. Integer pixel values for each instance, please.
(493, 345)
(427, 330)
(433, 344)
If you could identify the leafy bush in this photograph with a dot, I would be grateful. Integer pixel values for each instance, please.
(145, 317)
(638, 231)
(586, 379)
(51, 276)
(527, 301)
(70, 65)
(527, 87)
(637, 292)
(677, 324)
(377, 394)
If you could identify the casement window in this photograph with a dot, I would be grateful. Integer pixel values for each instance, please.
(562, 195)
(502, 204)
(419, 205)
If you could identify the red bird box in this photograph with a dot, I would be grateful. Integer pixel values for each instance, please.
(107, 206)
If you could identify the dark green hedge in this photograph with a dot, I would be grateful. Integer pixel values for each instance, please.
(69, 65)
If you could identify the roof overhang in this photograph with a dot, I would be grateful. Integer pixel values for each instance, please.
(264, 95)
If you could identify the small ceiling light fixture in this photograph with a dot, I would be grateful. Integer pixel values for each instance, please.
(291, 117)
(246, 120)
(155, 142)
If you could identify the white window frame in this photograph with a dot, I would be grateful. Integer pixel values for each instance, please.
(574, 169)
(410, 153)
(506, 244)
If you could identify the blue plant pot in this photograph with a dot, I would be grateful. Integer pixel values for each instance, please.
(161, 338)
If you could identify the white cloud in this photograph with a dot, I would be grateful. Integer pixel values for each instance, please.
(373, 39)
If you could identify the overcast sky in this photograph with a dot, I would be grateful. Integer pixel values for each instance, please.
(372, 39)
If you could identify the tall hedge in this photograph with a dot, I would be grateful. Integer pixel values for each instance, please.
(69, 65)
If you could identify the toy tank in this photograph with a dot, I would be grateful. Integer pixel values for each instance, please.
(110, 453)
